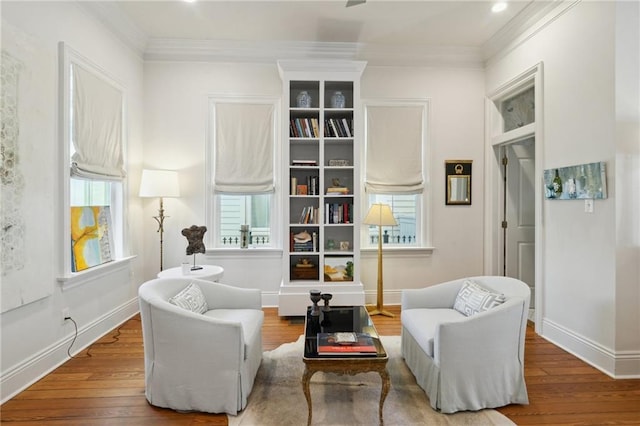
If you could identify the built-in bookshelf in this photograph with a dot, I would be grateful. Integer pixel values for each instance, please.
(322, 218)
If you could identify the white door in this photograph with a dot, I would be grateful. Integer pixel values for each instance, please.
(519, 234)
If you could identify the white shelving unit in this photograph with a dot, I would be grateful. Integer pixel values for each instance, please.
(321, 152)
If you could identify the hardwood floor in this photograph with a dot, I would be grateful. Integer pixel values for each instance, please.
(104, 385)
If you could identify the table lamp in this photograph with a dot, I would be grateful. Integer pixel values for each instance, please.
(381, 215)
(159, 183)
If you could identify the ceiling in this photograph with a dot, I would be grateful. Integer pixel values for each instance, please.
(385, 24)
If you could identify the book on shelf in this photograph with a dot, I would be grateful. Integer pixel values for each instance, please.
(301, 189)
(309, 215)
(304, 163)
(347, 129)
(337, 190)
(304, 128)
(303, 241)
(346, 343)
(338, 213)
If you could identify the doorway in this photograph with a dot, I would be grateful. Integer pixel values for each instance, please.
(518, 215)
(514, 126)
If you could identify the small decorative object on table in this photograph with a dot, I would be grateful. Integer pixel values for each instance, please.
(315, 296)
(194, 235)
(325, 298)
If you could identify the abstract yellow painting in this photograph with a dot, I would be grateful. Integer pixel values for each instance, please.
(91, 239)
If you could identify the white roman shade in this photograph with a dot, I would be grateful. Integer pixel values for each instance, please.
(394, 150)
(243, 162)
(97, 127)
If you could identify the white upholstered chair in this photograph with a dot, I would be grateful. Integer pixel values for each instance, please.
(200, 361)
(467, 363)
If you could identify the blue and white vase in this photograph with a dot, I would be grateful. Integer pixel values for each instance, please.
(303, 99)
(337, 100)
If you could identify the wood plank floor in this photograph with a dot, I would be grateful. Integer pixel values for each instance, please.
(104, 385)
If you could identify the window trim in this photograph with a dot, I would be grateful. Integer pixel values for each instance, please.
(212, 206)
(68, 56)
(425, 198)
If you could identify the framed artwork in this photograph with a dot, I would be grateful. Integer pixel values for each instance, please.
(339, 268)
(91, 238)
(584, 181)
(458, 182)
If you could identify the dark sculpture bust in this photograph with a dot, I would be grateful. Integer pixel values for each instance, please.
(194, 236)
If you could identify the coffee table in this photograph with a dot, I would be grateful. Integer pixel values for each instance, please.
(342, 318)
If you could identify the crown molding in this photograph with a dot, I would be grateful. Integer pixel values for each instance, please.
(531, 20)
(270, 52)
(244, 51)
(117, 23)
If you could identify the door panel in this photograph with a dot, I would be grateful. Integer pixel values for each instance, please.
(520, 213)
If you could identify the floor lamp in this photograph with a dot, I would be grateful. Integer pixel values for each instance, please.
(159, 183)
(381, 215)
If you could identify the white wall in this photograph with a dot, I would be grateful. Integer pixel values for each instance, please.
(176, 134)
(34, 340)
(583, 280)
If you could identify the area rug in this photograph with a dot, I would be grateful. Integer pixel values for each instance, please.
(277, 398)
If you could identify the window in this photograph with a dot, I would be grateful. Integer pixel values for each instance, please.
(406, 211)
(397, 130)
(238, 210)
(242, 161)
(92, 141)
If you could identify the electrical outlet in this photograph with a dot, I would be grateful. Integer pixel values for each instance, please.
(66, 313)
(588, 206)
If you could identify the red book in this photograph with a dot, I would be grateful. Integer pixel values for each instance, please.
(337, 344)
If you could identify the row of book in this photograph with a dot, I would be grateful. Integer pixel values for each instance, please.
(338, 128)
(311, 186)
(333, 128)
(338, 213)
(345, 343)
(304, 128)
(309, 215)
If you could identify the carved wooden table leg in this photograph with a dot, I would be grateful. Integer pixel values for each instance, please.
(386, 384)
(306, 378)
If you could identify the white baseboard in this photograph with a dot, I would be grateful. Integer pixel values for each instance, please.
(618, 365)
(26, 373)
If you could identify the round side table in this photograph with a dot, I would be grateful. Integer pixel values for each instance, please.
(208, 272)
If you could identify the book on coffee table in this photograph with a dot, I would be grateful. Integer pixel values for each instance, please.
(346, 343)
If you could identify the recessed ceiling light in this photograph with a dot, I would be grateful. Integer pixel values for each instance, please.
(189, 1)
(499, 7)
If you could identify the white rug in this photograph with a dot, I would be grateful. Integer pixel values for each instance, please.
(277, 397)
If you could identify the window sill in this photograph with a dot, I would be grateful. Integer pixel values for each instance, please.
(234, 253)
(76, 279)
(391, 252)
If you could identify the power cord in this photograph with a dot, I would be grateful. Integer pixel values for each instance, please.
(115, 337)
(75, 336)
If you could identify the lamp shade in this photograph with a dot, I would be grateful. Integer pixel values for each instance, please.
(381, 215)
(159, 183)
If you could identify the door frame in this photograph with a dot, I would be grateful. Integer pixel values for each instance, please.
(496, 138)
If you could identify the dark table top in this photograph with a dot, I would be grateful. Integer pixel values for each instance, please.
(338, 318)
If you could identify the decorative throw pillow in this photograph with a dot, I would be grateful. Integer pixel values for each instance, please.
(473, 298)
(191, 298)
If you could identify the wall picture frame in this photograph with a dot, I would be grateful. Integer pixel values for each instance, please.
(458, 182)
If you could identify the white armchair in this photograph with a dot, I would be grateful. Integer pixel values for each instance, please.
(200, 361)
(467, 362)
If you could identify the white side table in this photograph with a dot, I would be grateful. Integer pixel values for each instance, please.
(208, 272)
